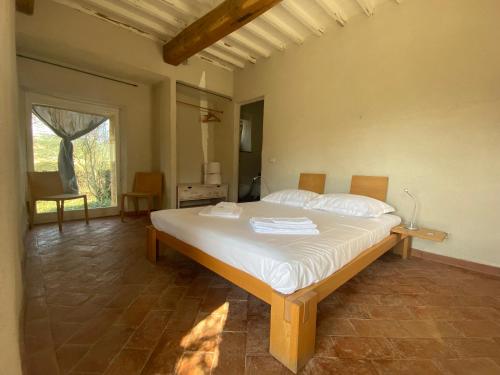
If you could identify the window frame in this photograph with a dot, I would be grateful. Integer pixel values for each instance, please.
(78, 106)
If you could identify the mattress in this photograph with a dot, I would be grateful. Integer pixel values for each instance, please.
(285, 262)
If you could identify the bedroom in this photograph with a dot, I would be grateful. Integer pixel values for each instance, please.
(409, 90)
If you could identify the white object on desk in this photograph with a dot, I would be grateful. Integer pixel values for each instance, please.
(212, 173)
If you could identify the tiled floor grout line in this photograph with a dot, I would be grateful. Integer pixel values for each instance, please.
(418, 305)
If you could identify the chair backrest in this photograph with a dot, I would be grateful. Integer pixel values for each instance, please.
(148, 182)
(43, 184)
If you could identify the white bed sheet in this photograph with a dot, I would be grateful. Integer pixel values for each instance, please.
(284, 262)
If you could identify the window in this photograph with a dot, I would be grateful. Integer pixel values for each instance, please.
(94, 163)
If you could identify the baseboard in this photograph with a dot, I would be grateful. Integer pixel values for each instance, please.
(467, 264)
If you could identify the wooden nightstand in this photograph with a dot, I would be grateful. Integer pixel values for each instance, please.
(423, 233)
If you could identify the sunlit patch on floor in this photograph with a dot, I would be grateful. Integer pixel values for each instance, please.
(201, 344)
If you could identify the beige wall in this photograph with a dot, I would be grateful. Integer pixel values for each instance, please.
(10, 200)
(163, 142)
(189, 140)
(64, 34)
(412, 93)
(134, 104)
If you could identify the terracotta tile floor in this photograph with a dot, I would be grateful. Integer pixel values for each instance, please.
(94, 305)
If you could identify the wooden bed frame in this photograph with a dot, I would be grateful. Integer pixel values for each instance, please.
(293, 316)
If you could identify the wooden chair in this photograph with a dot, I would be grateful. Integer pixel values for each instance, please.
(147, 185)
(47, 186)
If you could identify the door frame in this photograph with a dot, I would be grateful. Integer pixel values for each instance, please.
(236, 137)
(113, 113)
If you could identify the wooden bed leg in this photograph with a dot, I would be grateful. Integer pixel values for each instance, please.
(293, 329)
(403, 247)
(152, 245)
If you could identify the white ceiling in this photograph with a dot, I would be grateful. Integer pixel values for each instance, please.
(290, 22)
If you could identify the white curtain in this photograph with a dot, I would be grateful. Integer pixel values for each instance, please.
(68, 125)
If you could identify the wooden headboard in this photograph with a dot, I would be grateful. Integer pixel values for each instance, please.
(312, 182)
(370, 186)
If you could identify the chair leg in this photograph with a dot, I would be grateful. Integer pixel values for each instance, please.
(86, 208)
(150, 205)
(122, 207)
(62, 211)
(136, 206)
(59, 223)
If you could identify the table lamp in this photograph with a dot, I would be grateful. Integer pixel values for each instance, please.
(412, 225)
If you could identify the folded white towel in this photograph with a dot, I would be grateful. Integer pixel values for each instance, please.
(286, 231)
(270, 225)
(282, 226)
(223, 209)
(292, 222)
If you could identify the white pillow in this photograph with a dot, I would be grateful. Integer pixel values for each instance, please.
(291, 197)
(350, 205)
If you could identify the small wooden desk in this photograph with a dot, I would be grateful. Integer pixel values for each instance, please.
(422, 233)
(189, 195)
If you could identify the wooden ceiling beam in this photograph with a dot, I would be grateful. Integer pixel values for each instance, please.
(25, 6)
(221, 21)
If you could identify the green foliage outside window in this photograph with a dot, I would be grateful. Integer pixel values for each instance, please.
(92, 159)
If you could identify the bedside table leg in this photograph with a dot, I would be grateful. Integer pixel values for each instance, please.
(406, 249)
(403, 247)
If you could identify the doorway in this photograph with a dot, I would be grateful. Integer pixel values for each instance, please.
(250, 151)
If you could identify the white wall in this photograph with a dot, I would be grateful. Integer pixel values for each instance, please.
(412, 93)
(10, 199)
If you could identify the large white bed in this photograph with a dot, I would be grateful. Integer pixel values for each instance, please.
(286, 263)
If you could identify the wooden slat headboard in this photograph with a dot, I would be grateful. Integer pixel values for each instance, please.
(370, 186)
(312, 182)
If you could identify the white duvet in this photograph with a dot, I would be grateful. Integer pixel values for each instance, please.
(284, 262)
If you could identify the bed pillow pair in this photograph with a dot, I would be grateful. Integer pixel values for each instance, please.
(349, 205)
(291, 197)
(342, 204)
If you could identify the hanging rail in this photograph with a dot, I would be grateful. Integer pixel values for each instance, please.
(199, 107)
